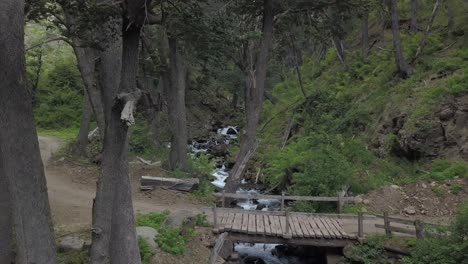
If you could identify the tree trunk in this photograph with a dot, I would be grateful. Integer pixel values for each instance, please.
(422, 44)
(81, 141)
(175, 94)
(365, 34)
(6, 226)
(338, 44)
(255, 84)
(403, 67)
(19, 154)
(124, 242)
(109, 68)
(114, 235)
(414, 16)
(450, 16)
(86, 57)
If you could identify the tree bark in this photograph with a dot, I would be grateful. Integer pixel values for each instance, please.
(114, 235)
(109, 68)
(6, 230)
(21, 164)
(255, 84)
(450, 16)
(365, 34)
(414, 16)
(177, 110)
(403, 68)
(86, 57)
(81, 141)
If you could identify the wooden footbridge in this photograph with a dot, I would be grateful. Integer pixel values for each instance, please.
(284, 227)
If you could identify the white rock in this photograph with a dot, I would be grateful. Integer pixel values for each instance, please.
(396, 187)
(148, 234)
(424, 185)
(410, 210)
(366, 201)
(71, 243)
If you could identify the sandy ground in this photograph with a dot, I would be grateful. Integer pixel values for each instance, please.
(72, 186)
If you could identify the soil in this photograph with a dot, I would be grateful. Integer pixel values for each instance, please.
(432, 201)
(72, 185)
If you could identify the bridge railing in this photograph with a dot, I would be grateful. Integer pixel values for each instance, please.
(339, 199)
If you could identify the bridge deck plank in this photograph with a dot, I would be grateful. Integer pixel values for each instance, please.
(245, 223)
(252, 229)
(237, 225)
(268, 228)
(296, 226)
(260, 225)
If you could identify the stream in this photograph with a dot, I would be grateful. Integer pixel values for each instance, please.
(248, 253)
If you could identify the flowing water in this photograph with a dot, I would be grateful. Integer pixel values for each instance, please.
(251, 253)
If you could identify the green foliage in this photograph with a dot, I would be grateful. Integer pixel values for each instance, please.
(59, 101)
(201, 220)
(66, 134)
(445, 249)
(171, 240)
(146, 253)
(73, 257)
(205, 191)
(456, 188)
(154, 220)
(354, 208)
(439, 192)
(446, 170)
(371, 250)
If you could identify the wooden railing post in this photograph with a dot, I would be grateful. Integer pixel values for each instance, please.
(223, 199)
(387, 224)
(287, 231)
(360, 225)
(419, 225)
(282, 201)
(340, 203)
(215, 219)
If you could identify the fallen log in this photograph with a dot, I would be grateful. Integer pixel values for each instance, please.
(185, 185)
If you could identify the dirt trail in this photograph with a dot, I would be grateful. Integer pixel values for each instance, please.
(71, 200)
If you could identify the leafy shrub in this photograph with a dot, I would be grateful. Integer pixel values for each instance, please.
(154, 220)
(146, 253)
(59, 99)
(445, 170)
(370, 251)
(171, 241)
(73, 257)
(447, 249)
(201, 220)
(456, 189)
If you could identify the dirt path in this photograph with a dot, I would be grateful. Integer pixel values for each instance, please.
(71, 199)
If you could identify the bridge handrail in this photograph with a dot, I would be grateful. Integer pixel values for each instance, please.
(338, 199)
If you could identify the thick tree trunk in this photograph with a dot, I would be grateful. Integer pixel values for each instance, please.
(174, 82)
(124, 243)
(403, 67)
(255, 84)
(365, 34)
(6, 225)
(414, 16)
(109, 68)
(19, 154)
(81, 141)
(114, 235)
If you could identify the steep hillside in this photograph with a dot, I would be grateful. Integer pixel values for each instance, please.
(361, 125)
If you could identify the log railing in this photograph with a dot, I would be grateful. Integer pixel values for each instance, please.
(339, 199)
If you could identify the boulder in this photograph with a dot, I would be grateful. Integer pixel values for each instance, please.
(410, 210)
(70, 243)
(177, 217)
(148, 234)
